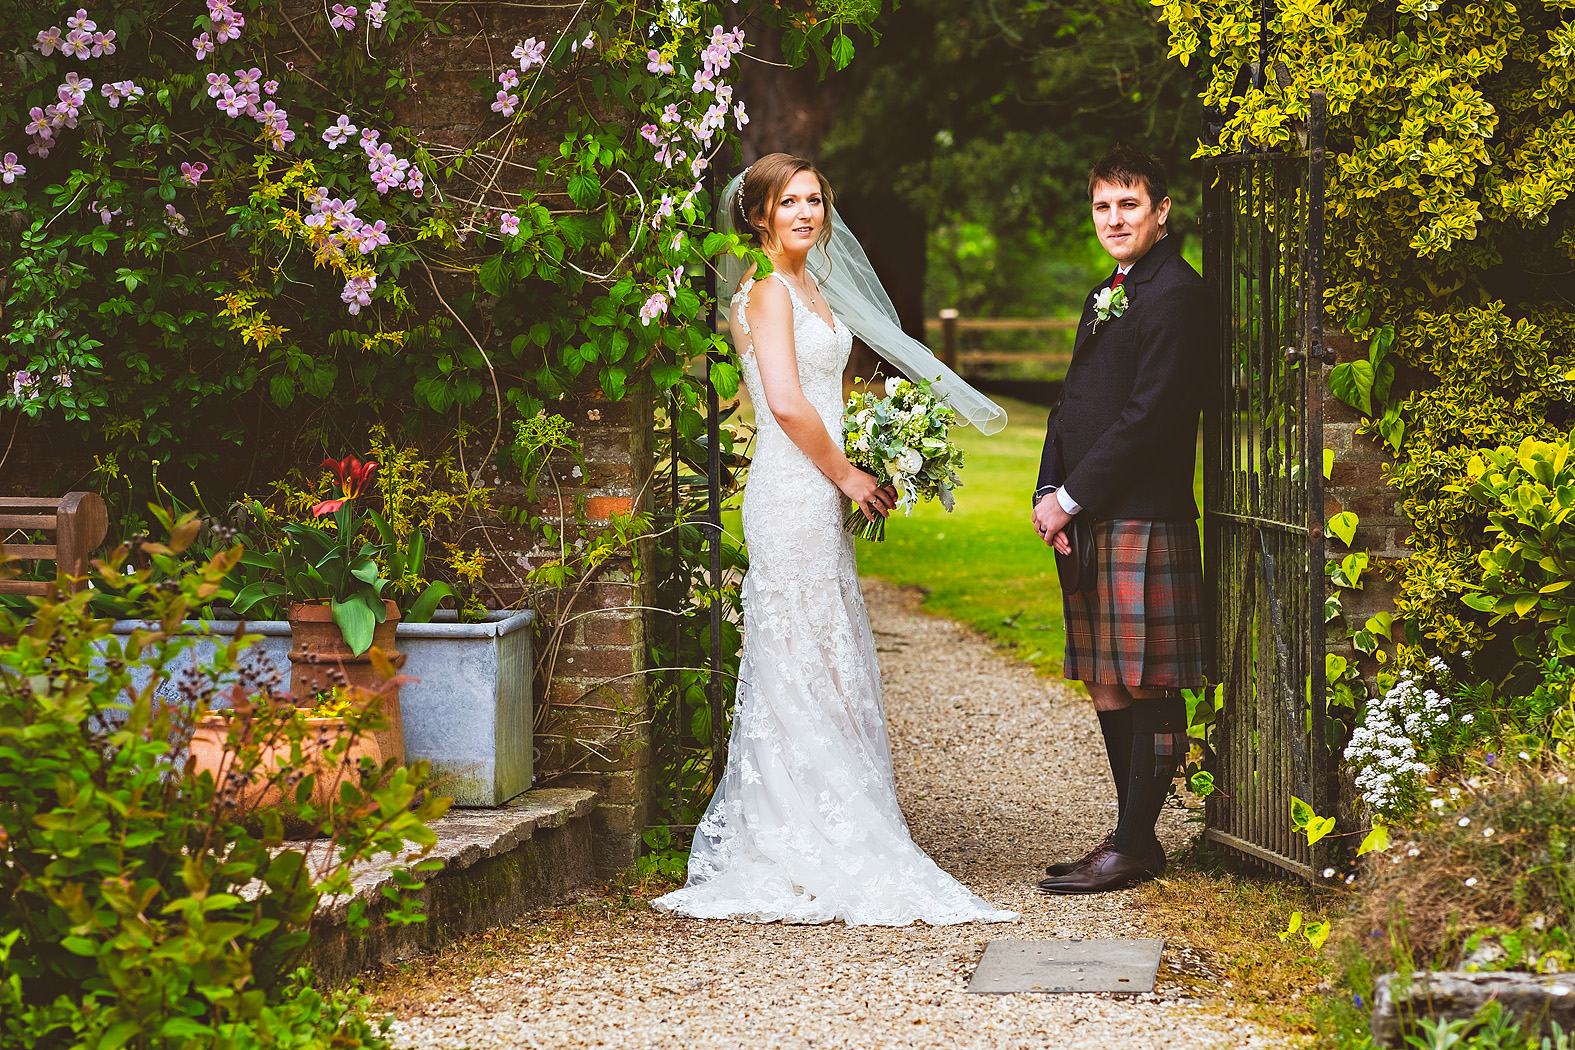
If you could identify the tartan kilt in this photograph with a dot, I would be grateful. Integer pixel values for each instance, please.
(1142, 626)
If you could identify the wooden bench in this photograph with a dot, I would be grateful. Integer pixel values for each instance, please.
(79, 521)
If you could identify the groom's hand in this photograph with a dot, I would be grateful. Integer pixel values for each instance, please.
(1050, 521)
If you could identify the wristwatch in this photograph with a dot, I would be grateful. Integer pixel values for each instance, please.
(1042, 491)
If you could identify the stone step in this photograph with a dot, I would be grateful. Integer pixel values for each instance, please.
(498, 864)
(1449, 995)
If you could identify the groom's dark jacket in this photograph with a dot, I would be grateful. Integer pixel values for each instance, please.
(1127, 420)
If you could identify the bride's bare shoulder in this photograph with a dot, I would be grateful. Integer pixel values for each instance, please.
(767, 300)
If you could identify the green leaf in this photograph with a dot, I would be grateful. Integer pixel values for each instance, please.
(1334, 667)
(494, 275)
(841, 51)
(1328, 463)
(612, 382)
(583, 190)
(356, 623)
(1318, 828)
(724, 376)
(1382, 625)
(1343, 526)
(1301, 813)
(1376, 840)
(1292, 927)
(1352, 383)
(423, 608)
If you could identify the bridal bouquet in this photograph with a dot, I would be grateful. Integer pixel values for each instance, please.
(903, 439)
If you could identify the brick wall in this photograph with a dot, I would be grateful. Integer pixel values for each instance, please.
(1357, 484)
(594, 717)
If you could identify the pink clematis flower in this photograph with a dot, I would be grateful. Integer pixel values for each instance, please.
(509, 225)
(505, 103)
(10, 169)
(48, 40)
(343, 18)
(233, 104)
(228, 27)
(654, 307)
(531, 52)
(191, 174)
(202, 45)
(77, 44)
(357, 293)
(339, 133)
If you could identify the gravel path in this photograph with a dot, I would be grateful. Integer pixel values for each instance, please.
(999, 771)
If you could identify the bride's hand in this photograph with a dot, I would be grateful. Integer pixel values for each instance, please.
(868, 494)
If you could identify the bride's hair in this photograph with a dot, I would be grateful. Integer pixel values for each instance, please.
(764, 181)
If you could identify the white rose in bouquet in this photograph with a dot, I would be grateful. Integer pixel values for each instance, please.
(893, 385)
(910, 461)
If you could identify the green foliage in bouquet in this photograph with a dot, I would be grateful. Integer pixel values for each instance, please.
(1450, 236)
(148, 906)
(904, 440)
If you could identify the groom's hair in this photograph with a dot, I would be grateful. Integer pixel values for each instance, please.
(1125, 166)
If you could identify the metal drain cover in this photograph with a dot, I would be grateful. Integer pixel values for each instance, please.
(1124, 965)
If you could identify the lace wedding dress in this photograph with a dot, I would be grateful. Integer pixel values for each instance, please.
(805, 825)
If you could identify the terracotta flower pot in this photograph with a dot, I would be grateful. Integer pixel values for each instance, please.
(317, 646)
(207, 747)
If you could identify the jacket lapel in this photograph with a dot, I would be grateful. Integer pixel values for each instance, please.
(1085, 326)
(1145, 269)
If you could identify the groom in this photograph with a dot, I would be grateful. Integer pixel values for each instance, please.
(1119, 453)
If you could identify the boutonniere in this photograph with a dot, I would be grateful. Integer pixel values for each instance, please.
(1109, 303)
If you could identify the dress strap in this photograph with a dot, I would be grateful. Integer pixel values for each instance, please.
(792, 293)
(741, 300)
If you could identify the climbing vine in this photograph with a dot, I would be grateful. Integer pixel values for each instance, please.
(243, 224)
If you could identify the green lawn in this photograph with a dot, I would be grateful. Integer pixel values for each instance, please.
(982, 564)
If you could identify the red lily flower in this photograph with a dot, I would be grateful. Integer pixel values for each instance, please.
(352, 476)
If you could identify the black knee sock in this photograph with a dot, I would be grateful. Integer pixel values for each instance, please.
(1117, 728)
(1159, 745)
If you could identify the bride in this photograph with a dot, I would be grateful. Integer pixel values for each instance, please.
(805, 825)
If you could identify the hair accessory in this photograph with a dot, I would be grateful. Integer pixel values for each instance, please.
(850, 287)
(743, 178)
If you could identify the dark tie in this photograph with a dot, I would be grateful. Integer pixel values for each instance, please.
(1116, 283)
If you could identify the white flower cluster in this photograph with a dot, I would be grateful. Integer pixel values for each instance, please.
(1384, 747)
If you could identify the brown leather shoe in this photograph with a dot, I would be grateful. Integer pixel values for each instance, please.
(1066, 867)
(1155, 857)
(1106, 870)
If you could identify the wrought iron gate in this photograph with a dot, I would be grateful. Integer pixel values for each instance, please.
(1263, 496)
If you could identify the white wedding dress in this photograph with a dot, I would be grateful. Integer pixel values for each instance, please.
(805, 825)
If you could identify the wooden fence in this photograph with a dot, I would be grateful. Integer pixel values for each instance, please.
(1048, 356)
